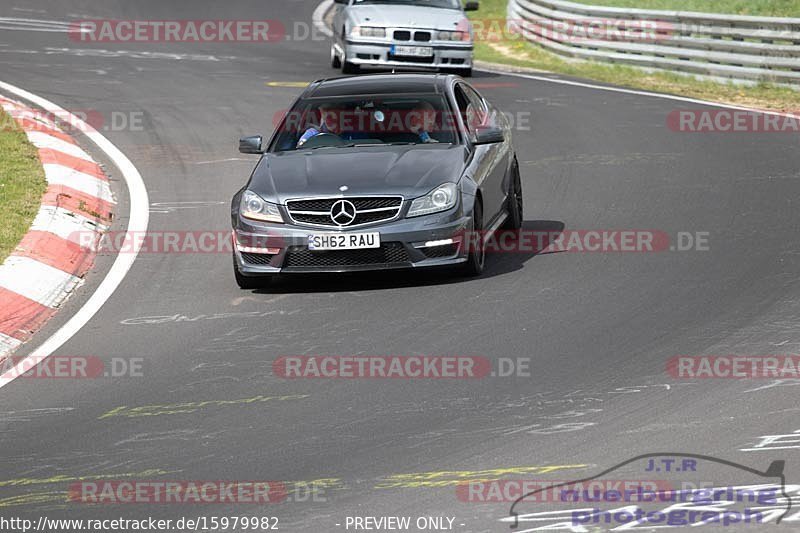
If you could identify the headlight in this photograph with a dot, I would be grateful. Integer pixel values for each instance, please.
(254, 207)
(451, 36)
(441, 198)
(368, 31)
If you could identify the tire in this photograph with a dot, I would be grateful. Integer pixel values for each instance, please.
(476, 260)
(350, 68)
(335, 61)
(515, 206)
(248, 282)
(347, 67)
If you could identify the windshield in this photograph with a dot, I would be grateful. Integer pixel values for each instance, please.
(367, 120)
(448, 4)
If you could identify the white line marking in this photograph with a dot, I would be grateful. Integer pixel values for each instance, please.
(637, 92)
(319, 17)
(138, 222)
(69, 177)
(37, 281)
(43, 140)
(65, 224)
(319, 22)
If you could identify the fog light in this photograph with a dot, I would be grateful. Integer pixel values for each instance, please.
(443, 242)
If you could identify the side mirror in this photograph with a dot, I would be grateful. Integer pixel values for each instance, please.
(489, 135)
(251, 145)
(471, 6)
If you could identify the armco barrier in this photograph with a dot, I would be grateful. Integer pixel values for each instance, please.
(708, 44)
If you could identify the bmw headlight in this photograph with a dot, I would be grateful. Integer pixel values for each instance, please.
(452, 36)
(368, 31)
(256, 208)
(442, 198)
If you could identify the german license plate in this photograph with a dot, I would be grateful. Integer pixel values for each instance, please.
(343, 241)
(412, 51)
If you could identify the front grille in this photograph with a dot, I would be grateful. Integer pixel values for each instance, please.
(402, 35)
(435, 252)
(369, 209)
(422, 36)
(389, 253)
(257, 259)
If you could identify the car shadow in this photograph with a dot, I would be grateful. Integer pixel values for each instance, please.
(502, 259)
(511, 255)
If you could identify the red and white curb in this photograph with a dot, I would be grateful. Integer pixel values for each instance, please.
(51, 261)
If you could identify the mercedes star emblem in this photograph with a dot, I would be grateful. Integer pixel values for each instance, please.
(343, 212)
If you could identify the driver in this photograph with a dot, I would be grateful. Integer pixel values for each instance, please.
(422, 121)
(329, 123)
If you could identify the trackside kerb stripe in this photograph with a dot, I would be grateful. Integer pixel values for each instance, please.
(42, 140)
(138, 223)
(21, 315)
(37, 281)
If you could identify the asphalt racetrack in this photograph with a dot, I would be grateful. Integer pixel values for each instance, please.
(597, 329)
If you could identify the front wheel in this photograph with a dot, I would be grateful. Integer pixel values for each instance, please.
(350, 68)
(514, 204)
(335, 61)
(347, 67)
(476, 259)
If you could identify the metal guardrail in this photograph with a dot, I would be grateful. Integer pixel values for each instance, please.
(722, 46)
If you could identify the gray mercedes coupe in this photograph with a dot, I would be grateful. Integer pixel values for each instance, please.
(377, 172)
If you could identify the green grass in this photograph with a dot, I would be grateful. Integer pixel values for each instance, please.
(22, 184)
(515, 51)
(768, 8)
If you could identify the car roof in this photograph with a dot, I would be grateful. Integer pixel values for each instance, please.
(377, 84)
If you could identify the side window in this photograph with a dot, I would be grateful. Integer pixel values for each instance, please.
(467, 109)
(477, 114)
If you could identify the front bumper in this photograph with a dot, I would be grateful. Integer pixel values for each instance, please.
(403, 245)
(379, 54)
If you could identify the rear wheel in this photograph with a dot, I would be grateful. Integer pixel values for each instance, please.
(515, 202)
(248, 282)
(477, 251)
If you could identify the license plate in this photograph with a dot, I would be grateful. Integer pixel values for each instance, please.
(343, 241)
(412, 51)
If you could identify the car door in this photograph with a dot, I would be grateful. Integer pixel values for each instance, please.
(492, 159)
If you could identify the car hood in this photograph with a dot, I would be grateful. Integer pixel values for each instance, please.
(394, 16)
(410, 171)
